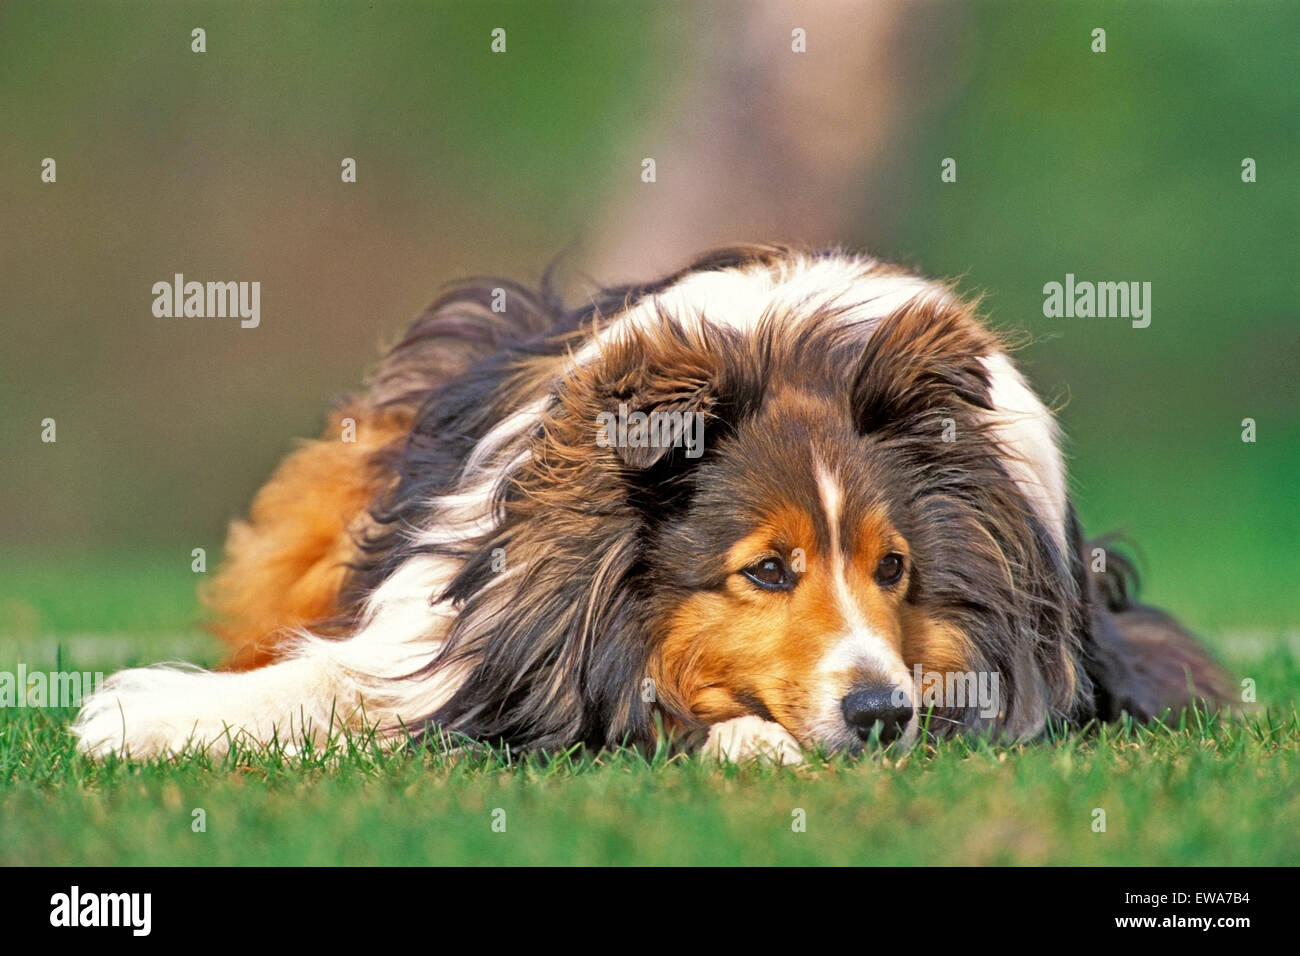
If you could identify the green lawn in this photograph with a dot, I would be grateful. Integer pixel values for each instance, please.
(1207, 794)
(1197, 792)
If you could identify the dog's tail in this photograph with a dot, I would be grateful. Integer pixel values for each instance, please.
(1140, 659)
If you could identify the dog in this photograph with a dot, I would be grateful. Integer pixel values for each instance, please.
(768, 504)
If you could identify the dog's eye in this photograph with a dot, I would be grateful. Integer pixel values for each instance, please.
(889, 570)
(771, 574)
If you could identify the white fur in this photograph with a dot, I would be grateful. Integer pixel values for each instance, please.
(322, 687)
(741, 298)
(1029, 438)
(752, 738)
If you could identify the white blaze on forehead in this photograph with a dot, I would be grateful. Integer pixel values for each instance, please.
(861, 647)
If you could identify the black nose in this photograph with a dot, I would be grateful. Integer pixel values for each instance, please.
(883, 704)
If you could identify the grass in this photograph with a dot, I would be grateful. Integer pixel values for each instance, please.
(1199, 790)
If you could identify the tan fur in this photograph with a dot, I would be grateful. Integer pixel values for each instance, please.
(937, 646)
(286, 564)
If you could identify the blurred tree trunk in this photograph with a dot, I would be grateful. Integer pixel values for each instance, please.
(761, 143)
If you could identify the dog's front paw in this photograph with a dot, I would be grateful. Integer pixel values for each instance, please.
(136, 713)
(746, 738)
(154, 712)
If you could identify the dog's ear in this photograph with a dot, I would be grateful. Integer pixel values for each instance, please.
(924, 357)
(658, 412)
(662, 394)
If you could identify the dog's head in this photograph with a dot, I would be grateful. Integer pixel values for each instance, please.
(849, 539)
(791, 519)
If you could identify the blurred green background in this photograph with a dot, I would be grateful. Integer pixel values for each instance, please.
(224, 165)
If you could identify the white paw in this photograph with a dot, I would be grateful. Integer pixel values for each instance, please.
(142, 713)
(745, 738)
(156, 711)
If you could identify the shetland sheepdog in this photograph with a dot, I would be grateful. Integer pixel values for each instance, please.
(770, 503)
